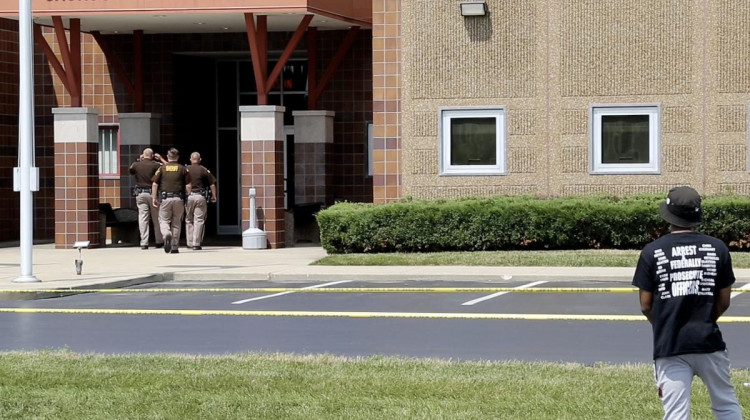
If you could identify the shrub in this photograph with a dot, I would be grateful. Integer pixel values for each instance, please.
(504, 223)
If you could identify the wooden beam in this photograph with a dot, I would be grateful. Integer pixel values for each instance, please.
(257, 54)
(114, 62)
(263, 45)
(51, 57)
(75, 60)
(296, 38)
(62, 41)
(312, 66)
(335, 63)
(138, 102)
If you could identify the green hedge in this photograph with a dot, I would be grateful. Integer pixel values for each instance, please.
(503, 223)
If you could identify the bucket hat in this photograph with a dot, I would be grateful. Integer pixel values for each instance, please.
(682, 207)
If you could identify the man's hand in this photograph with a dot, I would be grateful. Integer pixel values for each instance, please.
(723, 297)
(647, 301)
(213, 199)
(155, 203)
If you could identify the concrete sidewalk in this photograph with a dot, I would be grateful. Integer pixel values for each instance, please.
(112, 267)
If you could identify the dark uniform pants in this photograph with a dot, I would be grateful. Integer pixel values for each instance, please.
(195, 219)
(171, 211)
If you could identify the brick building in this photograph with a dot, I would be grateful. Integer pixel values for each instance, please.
(383, 99)
(275, 95)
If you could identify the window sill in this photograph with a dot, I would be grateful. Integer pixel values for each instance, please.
(621, 172)
(456, 173)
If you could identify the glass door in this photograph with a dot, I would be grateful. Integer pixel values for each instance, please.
(235, 87)
(228, 220)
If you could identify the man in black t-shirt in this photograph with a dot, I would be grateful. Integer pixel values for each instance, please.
(685, 281)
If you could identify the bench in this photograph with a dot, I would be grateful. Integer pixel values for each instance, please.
(122, 221)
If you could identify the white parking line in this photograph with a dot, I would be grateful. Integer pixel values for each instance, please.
(734, 294)
(482, 299)
(239, 302)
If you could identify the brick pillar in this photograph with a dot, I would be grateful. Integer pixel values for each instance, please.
(76, 139)
(313, 144)
(262, 160)
(138, 131)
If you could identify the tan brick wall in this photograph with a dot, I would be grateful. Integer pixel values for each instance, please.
(548, 61)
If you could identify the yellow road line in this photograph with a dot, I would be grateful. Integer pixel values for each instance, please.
(335, 314)
(351, 290)
(346, 290)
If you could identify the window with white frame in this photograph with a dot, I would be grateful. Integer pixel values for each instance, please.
(109, 150)
(625, 139)
(472, 141)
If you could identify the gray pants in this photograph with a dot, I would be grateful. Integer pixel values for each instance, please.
(147, 213)
(195, 219)
(674, 378)
(170, 219)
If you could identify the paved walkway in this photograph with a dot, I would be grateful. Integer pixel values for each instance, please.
(122, 266)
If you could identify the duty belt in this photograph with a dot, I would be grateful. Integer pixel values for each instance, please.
(141, 190)
(202, 191)
(170, 195)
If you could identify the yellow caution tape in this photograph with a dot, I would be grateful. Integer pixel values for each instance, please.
(351, 290)
(334, 314)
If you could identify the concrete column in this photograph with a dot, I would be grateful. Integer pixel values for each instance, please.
(76, 139)
(262, 160)
(138, 130)
(313, 144)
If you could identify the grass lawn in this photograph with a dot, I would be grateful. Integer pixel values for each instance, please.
(574, 258)
(65, 385)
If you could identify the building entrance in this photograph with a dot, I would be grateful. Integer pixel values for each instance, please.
(207, 119)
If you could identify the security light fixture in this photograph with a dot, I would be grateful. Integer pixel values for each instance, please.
(474, 8)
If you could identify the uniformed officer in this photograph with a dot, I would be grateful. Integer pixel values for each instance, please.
(174, 181)
(144, 169)
(203, 188)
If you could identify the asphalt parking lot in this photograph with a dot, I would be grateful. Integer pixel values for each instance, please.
(581, 321)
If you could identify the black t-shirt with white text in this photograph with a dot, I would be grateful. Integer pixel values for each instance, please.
(684, 271)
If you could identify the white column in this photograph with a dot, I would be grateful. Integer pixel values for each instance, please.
(139, 129)
(262, 163)
(76, 140)
(313, 126)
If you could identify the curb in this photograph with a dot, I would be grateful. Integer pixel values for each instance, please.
(115, 284)
(291, 277)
